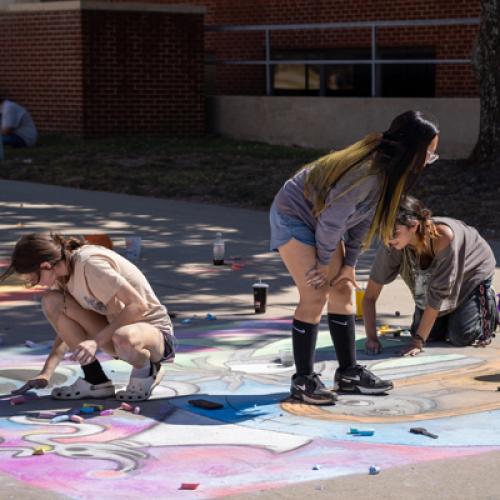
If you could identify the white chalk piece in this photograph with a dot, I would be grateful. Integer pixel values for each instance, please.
(47, 414)
(137, 410)
(29, 343)
(60, 418)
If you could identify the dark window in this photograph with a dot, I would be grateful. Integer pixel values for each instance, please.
(407, 80)
(350, 80)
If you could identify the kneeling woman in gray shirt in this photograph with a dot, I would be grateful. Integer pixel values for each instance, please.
(448, 268)
(320, 218)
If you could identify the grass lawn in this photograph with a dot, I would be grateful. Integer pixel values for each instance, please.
(234, 173)
(209, 169)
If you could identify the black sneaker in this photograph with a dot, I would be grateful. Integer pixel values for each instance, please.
(359, 379)
(310, 389)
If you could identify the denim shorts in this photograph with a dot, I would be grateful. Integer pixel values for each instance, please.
(285, 227)
(170, 343)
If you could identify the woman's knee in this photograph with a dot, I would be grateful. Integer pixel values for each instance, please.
(313, 302)
(52, 304)
(463, 331)
(341, 292)
(122, 338)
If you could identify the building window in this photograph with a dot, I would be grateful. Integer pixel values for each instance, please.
(353, 80)
(407, 80)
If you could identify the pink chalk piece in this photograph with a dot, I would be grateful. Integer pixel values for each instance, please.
(105, 413)
(18, 400)
(137, 410)
(76, 418)
(126, 407)
(189, 486)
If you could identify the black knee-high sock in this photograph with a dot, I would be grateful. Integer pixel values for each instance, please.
(93, 373)
(304, 336)
(343, 333)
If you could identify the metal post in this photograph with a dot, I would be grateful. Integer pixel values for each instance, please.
(268, 63)
(374, 57)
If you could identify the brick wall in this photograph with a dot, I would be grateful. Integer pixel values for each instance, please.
(449, 42)
(42, 67)
(143, 72)
(105, 72)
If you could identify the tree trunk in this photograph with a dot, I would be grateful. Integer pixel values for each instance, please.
(487, 62)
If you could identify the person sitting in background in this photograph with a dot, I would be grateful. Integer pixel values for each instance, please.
(448, 268)
(18, 128)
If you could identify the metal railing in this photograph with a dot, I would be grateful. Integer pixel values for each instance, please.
(374, 61)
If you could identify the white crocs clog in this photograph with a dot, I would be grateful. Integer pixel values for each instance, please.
(140, 389)
(81, 389)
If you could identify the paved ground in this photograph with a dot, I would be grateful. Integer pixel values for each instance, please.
(257, 445)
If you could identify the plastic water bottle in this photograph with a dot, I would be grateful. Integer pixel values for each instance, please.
(219, 250)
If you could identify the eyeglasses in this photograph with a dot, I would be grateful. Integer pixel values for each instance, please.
(36, 276)
(431, 157)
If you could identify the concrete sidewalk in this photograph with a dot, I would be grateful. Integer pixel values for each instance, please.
(257, 442)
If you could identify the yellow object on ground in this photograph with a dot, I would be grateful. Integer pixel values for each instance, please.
(360, 295)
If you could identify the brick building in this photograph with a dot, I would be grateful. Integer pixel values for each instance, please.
(411, 42)
(92, 68)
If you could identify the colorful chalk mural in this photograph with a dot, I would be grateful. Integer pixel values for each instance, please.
(258, 440)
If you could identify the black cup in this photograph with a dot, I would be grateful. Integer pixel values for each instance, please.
(260, 297)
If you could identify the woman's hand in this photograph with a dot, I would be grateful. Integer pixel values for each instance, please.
(416, 347)
(373, 346)
(346, 273)
(85, 352)
(317, 276)
(39, 382)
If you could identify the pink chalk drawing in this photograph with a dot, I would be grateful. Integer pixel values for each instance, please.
(254, 442)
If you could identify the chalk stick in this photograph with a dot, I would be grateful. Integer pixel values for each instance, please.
(205, 404)
(60, 418)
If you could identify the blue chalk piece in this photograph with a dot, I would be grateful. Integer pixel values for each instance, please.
(186, 321)
(361, 432)
(316, 467)
(211, 317)
(367, 432)
(87, 410)
(373, 470)
(60, 418)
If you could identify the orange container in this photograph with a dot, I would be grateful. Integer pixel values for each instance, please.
(99, 239)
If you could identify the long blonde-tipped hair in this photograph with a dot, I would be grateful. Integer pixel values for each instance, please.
(398, 154)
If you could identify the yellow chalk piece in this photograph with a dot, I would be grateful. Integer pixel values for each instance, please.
(90, 405)
(41, 450)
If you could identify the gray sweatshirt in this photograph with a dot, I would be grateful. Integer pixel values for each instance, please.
(453, 275)
(347, 216)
